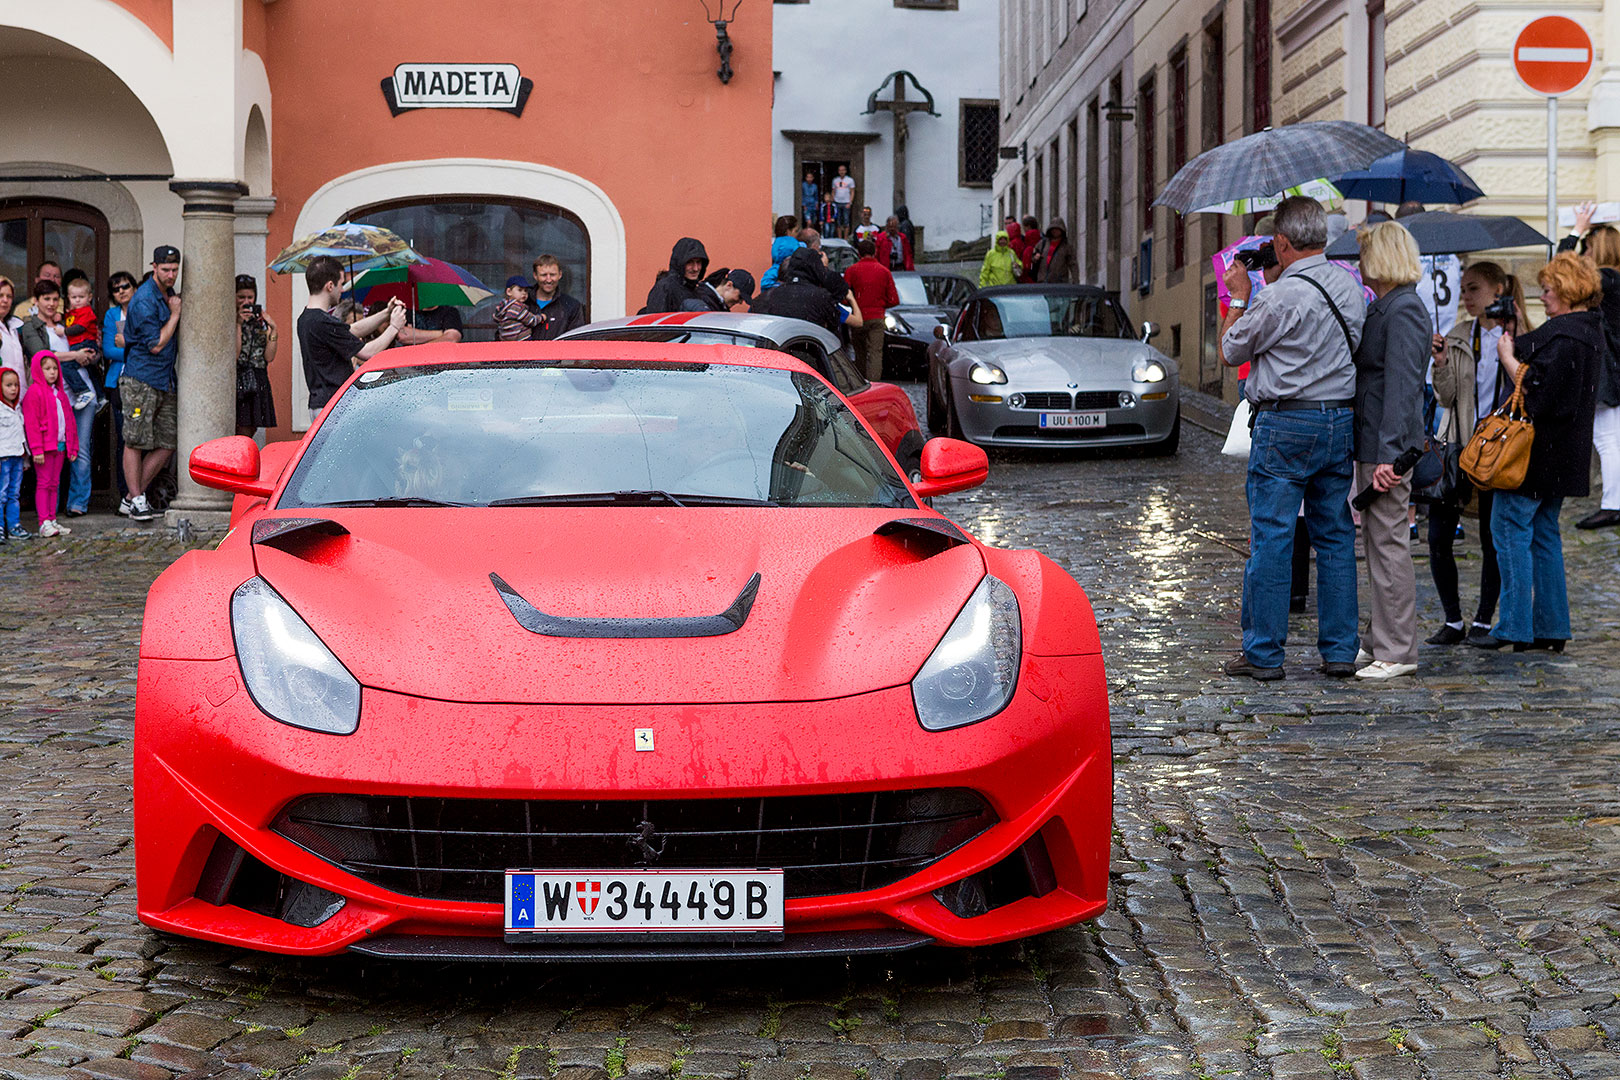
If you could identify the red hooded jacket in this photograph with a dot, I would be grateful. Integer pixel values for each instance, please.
(39, 412)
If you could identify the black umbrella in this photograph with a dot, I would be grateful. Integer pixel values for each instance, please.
(1440, 233)
(1272, 160)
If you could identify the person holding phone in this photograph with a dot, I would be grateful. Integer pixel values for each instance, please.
(256, 339)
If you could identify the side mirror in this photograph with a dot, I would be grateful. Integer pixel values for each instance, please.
(951, 465)
(230, 464)
(940, 333)
(1150, 330)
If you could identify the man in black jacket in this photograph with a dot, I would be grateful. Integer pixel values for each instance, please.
(688, 262)
(803, 293)
(561, 312)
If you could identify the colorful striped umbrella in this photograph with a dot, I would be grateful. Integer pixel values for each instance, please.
(1320, 190)
(425, 284)
(360, 247)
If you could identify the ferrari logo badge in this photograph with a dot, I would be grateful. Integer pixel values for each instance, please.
(644, 738)
(589, 894)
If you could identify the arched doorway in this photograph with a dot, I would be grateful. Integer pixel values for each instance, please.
(491, 237)
(71, 234)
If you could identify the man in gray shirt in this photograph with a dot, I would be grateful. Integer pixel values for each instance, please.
(1298, 339)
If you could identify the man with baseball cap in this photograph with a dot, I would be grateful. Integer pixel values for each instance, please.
(721, 290)
(151, 344)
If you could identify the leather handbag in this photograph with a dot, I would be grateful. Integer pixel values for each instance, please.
(1497, 456)
(1438, 477)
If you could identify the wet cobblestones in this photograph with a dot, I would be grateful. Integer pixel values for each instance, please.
(1310, 879)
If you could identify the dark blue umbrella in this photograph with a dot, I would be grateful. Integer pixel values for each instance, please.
(1409, 176)
(1441, 233)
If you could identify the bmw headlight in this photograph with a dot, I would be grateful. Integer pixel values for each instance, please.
(895, 323)
(1149, 371)
(290, 672)
(974, 669)
(986, 374)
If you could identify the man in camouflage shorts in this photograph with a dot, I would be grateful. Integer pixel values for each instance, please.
(152, 342)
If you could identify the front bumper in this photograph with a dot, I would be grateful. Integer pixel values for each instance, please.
(211, 772)
(999, 424)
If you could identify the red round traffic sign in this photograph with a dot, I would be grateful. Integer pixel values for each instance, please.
(1552, 55)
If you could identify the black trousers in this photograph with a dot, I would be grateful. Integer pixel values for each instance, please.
(1443, 520)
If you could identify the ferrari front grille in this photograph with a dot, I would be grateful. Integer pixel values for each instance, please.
(458, 849)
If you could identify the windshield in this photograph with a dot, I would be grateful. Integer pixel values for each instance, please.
(911, 289)
(622, 433)
(1049, 315)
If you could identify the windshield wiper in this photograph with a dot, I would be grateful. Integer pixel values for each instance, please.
(393, 500)
(588, 498)
(641, 497)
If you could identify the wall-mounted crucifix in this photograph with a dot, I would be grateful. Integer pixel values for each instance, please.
(900, 108)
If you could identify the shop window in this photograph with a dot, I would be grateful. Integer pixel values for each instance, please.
(491, 239)
(70, 234)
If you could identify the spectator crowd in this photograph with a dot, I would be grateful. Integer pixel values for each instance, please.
(1358, 410)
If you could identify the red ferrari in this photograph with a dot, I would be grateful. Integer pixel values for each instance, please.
(582, 651)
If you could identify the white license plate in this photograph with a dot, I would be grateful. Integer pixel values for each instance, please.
(1074, 419)
(649, 902)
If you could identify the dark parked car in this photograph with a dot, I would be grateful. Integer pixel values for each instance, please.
(926, 301)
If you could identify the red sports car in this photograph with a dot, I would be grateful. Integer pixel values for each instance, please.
(575, 650)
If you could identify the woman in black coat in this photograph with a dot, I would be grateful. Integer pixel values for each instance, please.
(1561, 362)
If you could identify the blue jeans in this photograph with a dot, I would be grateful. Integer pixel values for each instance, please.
(1530, 552)
(1295, 457)
(11, 474)
(78, 486)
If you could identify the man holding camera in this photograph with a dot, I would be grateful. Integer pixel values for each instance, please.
(1298, 337)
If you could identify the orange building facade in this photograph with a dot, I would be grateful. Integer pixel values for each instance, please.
(485, 133)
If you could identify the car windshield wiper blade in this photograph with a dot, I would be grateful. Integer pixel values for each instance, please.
(394, 500)
(631, 498)
(587, 498)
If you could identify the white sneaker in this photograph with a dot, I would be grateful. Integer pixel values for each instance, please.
(1363, 658)
(140, 509)
(1384, 669)
(50, 528)
(125, 506)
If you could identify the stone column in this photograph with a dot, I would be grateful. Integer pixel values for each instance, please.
(1603, 111)
(205, 374)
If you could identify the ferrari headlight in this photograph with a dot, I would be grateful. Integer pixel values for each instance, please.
(1150, 371)
(895, 323)
(290, 672)
(974, 669)
(986, 374)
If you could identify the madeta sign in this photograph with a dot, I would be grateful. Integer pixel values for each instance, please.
(457, 86)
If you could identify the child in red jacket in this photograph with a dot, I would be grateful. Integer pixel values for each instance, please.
(52, 437)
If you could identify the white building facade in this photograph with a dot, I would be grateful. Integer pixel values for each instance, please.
(829, 56)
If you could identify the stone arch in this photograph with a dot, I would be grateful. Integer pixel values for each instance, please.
(469, 176)
(117, 39)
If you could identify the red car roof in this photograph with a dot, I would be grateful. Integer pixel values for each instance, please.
(555, 351)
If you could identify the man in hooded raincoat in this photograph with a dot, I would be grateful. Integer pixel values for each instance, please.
(688, 263)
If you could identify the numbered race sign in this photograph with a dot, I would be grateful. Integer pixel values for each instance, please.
(1442, 275)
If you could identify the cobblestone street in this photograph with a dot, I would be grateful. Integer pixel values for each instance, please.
(1312, 878)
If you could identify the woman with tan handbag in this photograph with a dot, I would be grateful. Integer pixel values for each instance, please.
(1557, 368)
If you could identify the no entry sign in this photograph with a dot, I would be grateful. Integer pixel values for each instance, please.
(1552, 55)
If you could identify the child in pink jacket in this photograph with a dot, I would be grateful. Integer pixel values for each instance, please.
(52, 437)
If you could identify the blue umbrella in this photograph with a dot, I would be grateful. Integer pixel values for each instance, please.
(1409, 176)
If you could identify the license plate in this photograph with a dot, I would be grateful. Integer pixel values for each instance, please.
(1074, 419)
(656, 904)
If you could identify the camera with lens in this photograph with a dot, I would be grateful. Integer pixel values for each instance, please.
(1261, 258)
(1502, 310)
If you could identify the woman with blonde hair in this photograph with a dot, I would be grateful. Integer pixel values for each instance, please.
(1559, 365)
(1601, 244)
(1469, 383)
(1394, 351)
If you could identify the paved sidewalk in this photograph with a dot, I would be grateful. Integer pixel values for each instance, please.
(1310, 878)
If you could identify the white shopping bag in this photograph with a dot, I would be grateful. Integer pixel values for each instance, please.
(1237, 439)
